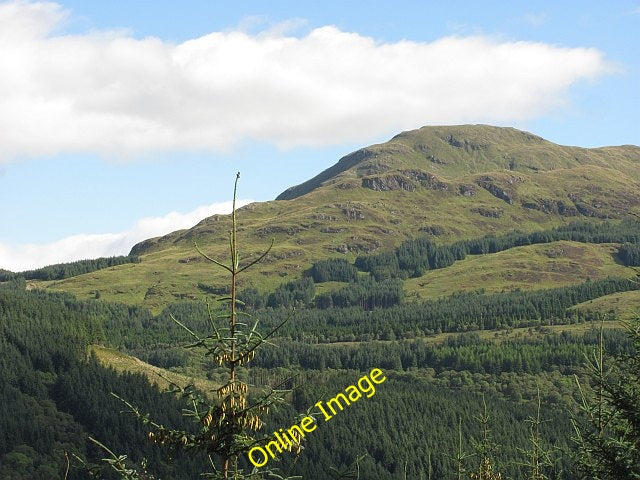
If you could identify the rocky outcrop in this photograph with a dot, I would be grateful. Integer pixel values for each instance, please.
(467, 190)
(324, 217)
(453, 141)
(278, 256)
(353, 214)
(426, 151)
(576, 205)
(152, 291)
(550, 206)
(276, 229)
(436, 160)
(194, 259)
(466, 144)
(588, 209)
(388, 183)
(143, 247)
(360, 245)
(353, 211)
(506, 193)
(371, 168)
(333, 230)
(488, 212)
(426, 179)
(434, 230)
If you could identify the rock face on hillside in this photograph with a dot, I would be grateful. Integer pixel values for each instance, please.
(391, 182)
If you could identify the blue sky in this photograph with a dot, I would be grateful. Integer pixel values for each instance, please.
(123, 120)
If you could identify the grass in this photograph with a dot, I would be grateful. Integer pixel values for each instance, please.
(624, 306)
(529, 333)
(499, 336)
(528, 268)
(325, 287)
(163, 378)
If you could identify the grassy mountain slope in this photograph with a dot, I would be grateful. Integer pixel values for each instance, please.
(160, 376)
(624, 305)
(458, 151)
(446, 182)
(527, 268)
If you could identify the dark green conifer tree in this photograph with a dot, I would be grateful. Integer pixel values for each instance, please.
(607, 433)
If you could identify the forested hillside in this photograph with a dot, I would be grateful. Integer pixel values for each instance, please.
(64, 397)
(54, 396)
(61, 271)
(45, 339)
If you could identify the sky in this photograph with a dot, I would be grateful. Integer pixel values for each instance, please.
(125, 120)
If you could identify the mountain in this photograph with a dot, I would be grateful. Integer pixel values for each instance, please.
(448, 183)
(520, 343)
(461, 153)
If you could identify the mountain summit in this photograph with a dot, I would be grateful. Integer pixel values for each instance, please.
(448, 183)
(454, 152)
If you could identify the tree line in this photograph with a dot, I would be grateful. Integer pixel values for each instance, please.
(133, 327)
(459, 312)
(61, 271)
(414, 257)
(629, 254)
(564, 352)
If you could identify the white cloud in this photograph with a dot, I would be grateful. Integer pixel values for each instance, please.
(117, 95)
(534, 19)
(77, 247)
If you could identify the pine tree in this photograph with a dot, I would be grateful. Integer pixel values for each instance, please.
(607, 432)
(538, 458)
(485, 448)
(226, 428)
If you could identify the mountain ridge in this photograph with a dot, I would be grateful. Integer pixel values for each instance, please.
(447, 183)
(476, 140)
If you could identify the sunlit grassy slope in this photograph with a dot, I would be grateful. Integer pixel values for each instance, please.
(528, 268)
(446, 182)
(624, 306)
(126, 363)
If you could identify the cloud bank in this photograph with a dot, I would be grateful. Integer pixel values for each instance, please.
(78, 247)
(120, 96)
